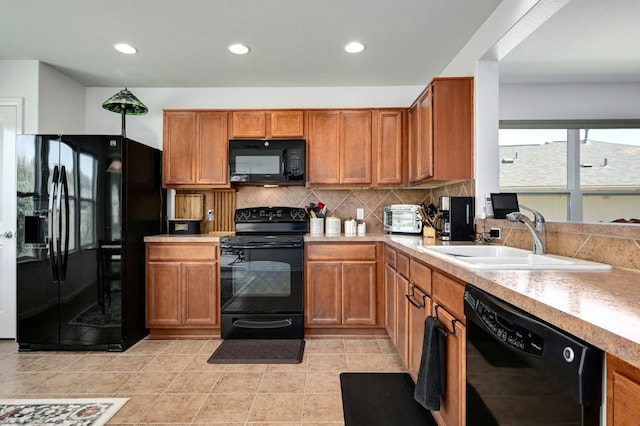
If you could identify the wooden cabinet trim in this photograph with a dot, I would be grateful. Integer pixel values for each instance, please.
(390, 256)
(420, 275)
(402, 265)
(182, 251)
(449, 293)
(354, 251)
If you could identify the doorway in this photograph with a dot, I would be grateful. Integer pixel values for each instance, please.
(10, 126)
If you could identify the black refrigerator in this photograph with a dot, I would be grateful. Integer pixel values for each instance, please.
(85, 204)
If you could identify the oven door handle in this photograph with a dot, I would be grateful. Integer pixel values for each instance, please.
(261, 246)
(243, 323)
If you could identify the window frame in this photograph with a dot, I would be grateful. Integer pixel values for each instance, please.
(573, 191)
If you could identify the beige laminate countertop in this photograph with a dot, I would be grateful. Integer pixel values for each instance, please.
(600, 307)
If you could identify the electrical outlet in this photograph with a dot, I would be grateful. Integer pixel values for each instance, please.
(359, 214)
(494, 233)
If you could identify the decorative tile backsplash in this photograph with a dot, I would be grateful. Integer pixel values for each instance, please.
(343, 203)
(614, 243)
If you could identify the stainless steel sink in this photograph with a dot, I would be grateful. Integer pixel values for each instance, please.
(501, 257)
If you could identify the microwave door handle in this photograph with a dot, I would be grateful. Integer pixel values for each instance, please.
(283, 163)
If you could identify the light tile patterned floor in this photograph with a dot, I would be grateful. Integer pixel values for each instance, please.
(170, 382)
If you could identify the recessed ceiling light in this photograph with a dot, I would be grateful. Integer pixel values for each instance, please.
(354, 47)
(238, 49)
(125, 48)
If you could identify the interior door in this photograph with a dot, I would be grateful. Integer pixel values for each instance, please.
(10, 125)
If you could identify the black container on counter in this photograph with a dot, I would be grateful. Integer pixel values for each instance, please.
(184, 226)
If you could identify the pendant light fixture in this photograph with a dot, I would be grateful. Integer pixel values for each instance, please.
(125, 103)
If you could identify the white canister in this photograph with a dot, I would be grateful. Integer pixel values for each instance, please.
(316, 225)
(362, 229)
(350, 227)
(332, 226)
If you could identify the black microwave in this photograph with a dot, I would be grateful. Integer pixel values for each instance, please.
(267, 162)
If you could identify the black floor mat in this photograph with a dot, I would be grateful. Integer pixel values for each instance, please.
(381, 399)
(258, 351)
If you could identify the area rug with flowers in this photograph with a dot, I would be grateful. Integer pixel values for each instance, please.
(68, 412)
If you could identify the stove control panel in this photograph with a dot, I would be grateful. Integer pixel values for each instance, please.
(270, 214)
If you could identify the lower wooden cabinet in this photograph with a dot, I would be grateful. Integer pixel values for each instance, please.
(421, 292)
(342, 286)
(453, 404)
(419, 308)
(182, 286)
(623, 393)
(448, 305)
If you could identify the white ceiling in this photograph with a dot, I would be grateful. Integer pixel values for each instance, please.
(586, 41)
(300, 42)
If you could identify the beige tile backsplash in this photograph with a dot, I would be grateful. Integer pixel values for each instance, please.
(344, 202)
(614, 243)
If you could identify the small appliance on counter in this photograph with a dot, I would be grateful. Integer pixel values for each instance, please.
(402, 218)
(184, 226)
(455, 220)
(188, 214)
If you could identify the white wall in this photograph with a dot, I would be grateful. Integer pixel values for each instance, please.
(569, 101)
(148, 128)
(19, 79)
(52, 102)
(61, 103)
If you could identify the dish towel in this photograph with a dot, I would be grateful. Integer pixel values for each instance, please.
(431, 382)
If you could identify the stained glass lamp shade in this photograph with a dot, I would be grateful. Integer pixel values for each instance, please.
(125, 103)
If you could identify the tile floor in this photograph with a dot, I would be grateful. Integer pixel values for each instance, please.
(170, 382)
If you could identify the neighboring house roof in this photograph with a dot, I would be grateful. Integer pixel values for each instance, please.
(603, 164)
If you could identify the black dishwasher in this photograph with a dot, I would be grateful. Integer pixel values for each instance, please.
(523, 371)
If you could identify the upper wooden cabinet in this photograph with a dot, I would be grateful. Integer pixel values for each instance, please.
(390, 152)
(267, 124)
(441, 131)
(195, 149)
(356, 147)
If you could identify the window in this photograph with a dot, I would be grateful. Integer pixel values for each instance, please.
(573, 170)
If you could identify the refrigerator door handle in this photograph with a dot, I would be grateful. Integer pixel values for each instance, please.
(64, 192)
(52, 234)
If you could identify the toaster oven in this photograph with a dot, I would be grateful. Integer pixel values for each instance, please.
(402, 218)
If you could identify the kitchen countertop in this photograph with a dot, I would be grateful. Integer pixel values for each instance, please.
(600, 307)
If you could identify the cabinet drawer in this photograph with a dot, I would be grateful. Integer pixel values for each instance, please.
(402, 265)
(390, 257)
(448, 293)
(182, 251)
(420, 275)
(341, 251)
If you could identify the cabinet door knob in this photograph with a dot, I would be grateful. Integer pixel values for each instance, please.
(8, 235)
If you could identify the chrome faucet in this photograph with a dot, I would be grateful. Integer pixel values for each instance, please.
(535, 228)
